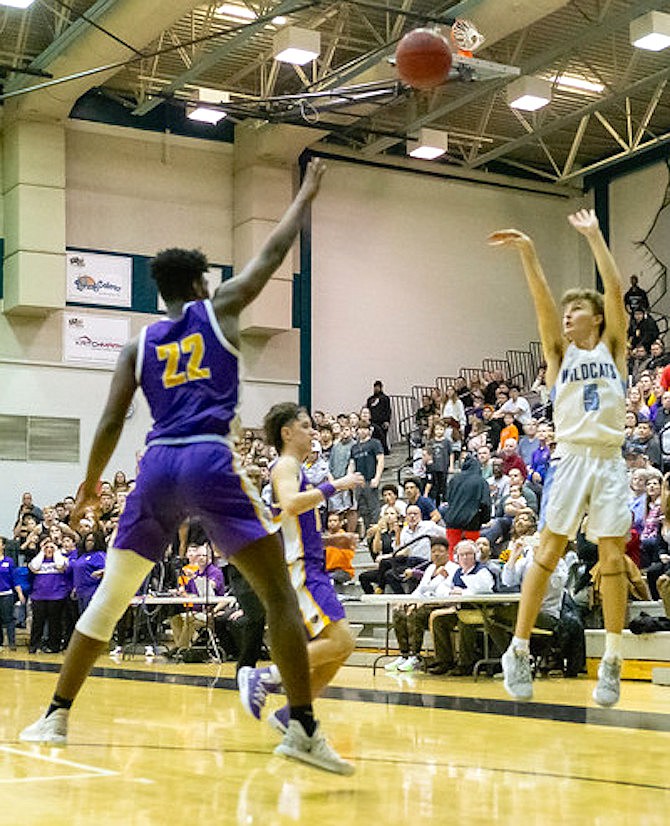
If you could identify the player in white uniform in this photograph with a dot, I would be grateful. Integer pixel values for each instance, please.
(586, 363)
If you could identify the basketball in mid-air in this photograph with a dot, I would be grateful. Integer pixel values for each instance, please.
(423, 58)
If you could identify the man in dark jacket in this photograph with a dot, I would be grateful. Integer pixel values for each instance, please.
(379, 406)
(468, 503)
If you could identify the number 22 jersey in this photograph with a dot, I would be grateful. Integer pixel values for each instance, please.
(589, 398)
(189, 373)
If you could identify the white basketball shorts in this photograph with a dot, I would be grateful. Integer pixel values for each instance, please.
(586, 480)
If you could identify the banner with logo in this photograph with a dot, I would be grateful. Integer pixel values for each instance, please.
(94, 339)
(213, 277)
(96, 278)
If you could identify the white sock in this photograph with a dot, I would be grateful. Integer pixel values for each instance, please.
(613, 646)
(274, 671)
(521, 645)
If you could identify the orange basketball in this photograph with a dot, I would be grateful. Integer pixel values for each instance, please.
(423, 59)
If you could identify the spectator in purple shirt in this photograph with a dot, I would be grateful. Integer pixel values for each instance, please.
(51, 589)
(206, 582)
(87, 567)
(7, 587)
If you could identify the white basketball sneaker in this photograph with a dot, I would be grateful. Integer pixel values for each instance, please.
(314, 750)
(51, 730)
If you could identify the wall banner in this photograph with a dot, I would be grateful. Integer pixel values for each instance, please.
(93, 339)
(96, 278)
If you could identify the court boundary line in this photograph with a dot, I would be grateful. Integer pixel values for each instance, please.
(581, 715)
(90, 772)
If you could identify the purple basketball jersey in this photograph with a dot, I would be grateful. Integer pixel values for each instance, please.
(189, 375)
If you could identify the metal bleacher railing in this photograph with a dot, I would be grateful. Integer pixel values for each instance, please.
(519, 366)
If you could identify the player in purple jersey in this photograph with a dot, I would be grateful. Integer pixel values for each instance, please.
(289, 429)
(187, 367)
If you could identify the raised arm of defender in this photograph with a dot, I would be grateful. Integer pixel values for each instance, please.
(234, 295)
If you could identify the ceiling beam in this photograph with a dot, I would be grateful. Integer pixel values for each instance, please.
(214, 57)
(651, 108)
(585, 37)
(558, 123)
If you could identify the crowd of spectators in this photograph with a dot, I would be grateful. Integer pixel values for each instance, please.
(480, 455)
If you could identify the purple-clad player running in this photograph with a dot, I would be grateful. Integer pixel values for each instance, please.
(289, 429)
(187, 366)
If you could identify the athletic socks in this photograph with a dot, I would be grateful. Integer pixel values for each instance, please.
(305, 716)
(521, 645)
(613, 646)
(58, 702)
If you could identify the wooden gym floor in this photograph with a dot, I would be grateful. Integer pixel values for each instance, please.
(159, 743)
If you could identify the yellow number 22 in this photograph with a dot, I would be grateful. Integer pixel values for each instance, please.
(171, 353)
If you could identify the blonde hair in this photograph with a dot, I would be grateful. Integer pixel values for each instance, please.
(594, 298)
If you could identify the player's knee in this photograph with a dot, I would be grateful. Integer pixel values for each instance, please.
(98, 621)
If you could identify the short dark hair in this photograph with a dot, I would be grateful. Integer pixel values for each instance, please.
(277, 417)
(439, 540)
(413, 480)
(174, 270)
(390, 486)
(377, 384)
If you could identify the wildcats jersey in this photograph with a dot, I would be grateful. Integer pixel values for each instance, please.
(302, 539)
(589, 399)
(189, 374)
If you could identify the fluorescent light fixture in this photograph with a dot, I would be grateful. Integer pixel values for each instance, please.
(297, 46)
(207, 114)
(431, 144)
(529, 93)
(651, 31)
(232, 10)
(17, 4)
(578, 84)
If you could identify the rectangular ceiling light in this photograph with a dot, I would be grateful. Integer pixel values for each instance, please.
(207, 114)
(244, 13)
(529, 93)
(431, 144)
(295, 45)
(17, 4)
(577, 84)
(651, 31)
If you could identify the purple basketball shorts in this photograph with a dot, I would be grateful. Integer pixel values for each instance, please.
(204, 480)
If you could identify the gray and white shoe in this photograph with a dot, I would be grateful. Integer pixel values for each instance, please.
(314, 750)
(51, 730)
(518, 678)
(606, 693)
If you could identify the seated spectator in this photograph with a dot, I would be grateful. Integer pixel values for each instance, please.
(637, 500)
(511, 458)
(498, 484)
(646, 387)
(470, 578)
(424, 413)
(662, 417)
(469, 503)
(340, 549)
(510, 430)
(653, 549)
(383, 537)
(413, 497)
(645, 436)
(479, 436)
(659, 358)
(206, 582)
(494, 426)
(485, 461)
(529, 442)
(539, 386)
(517, 405)
(51, 589)
(411, 621)
(391, 501)
(638, 362)
(453, 414)
(642, 329)
(527, 491)
(539, 463)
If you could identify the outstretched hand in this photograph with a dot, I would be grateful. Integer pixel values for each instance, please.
(508, 238)
(584, 221)
(313, 175)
